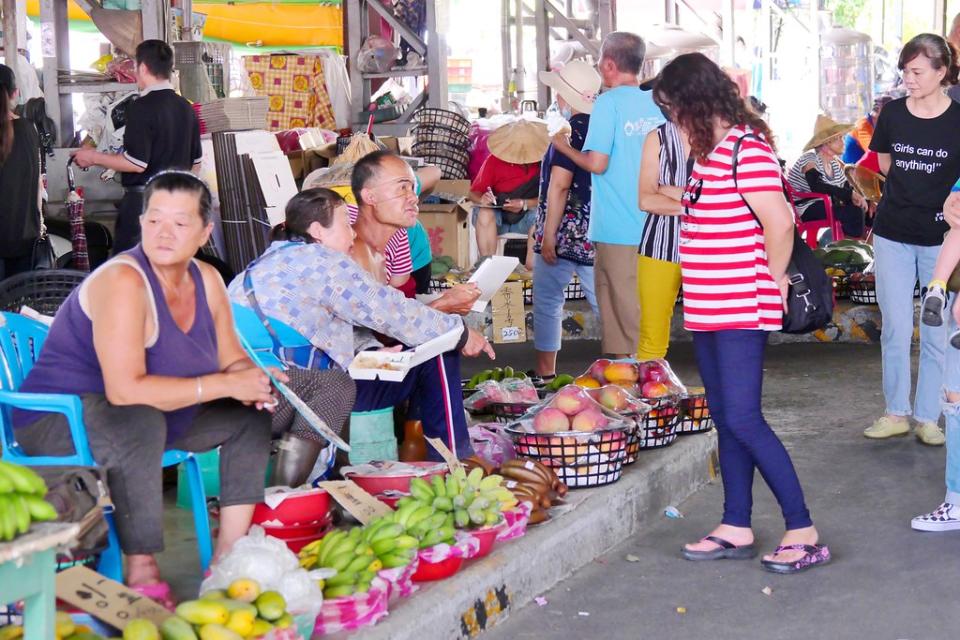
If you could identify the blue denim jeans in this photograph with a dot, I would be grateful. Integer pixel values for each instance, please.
(951, 412)
(549, 281)
(898, 267)
(731, 366)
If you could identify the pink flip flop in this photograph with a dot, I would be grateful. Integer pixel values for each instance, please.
(159, 592)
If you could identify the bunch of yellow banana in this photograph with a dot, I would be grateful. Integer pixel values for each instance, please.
(472, 499)
(64, 629)
(21, 500)
(350, 554)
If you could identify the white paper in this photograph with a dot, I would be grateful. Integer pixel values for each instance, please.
(490, 277)
(276, 182)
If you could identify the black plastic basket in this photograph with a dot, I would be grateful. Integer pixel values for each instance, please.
(694, 414)
(44, 290)
(425, 133)
(863, 291)
(443, 118)
(658, 427)
(573, 291)
(579, 458)
(451, 164)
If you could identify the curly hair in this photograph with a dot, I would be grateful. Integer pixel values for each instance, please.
(694, 93)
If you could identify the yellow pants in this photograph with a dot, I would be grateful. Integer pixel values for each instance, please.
(658, 282)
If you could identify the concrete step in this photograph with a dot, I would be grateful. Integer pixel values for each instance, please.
(487, 590)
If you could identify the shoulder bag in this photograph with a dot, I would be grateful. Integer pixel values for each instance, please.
(810, 295)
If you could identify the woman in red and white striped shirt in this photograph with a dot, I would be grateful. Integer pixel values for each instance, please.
(736, 236)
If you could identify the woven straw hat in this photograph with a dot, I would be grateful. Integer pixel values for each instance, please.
(520, 142)
(578, 83)
(826, 129)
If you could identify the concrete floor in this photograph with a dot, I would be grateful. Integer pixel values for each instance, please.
(886, 581)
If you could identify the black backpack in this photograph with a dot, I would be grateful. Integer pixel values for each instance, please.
(810, 298)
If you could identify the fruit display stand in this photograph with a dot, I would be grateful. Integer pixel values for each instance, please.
(28, 572)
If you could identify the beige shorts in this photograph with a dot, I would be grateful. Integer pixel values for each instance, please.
(615, 280)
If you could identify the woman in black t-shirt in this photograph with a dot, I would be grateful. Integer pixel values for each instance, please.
(19, 182)
(918, 142)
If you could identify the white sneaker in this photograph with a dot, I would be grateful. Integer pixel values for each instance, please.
(946, 517)
(930, 434)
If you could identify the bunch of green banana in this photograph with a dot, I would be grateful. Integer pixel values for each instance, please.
(498, 374)
(472, 499)
(21, 500)
(559, 382)
(421, 520)
(350, 555)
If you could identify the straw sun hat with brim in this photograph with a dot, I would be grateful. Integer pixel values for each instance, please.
(520, 142)
(825, 130)
(578, 83)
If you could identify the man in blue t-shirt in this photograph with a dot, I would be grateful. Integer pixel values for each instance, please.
(621, 119)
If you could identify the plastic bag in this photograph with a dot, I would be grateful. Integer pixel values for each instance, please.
(490, 443)
(570, 409)
(377, 55)
(648, 379)
(268, 561)
(510, 391)
(619, 400)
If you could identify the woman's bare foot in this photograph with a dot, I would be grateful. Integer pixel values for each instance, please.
(737, 536)
(807, 535)
(142, 569)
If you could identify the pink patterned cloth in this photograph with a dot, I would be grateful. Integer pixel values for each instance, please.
(516, 522)
(400, 580)
(354, 612)
(465, 546)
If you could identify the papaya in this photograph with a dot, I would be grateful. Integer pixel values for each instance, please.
(141, 629)
(218, 632)
(176, 628)
(271, 605)
(203, 612)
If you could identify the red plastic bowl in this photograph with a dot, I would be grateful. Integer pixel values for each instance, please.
(295, 544)
(298, 531)
(301, 509)
(378, 484)
(487, 537)
(442, 570)
(392, 500)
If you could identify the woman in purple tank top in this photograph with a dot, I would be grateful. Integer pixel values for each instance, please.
(148, 343)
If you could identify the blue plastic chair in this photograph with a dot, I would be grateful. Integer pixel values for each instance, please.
(20, 342)
(258, 342)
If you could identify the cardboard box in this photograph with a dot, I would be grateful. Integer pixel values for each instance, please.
(447, 223)
(303, 163)
(106, 600)
(509, 319)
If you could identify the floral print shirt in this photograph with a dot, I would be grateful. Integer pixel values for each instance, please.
(572, 242)
(325, 295)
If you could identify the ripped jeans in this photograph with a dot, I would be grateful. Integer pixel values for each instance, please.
(951, 412)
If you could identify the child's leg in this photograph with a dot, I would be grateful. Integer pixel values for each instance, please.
(935, 299)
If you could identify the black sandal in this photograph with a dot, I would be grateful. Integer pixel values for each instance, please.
(726, 551)
(814, 554)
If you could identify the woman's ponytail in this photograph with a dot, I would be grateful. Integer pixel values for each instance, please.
(8, 85)
(953, 71)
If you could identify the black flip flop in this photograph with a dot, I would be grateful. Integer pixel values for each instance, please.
(726, 551)
(814, 554)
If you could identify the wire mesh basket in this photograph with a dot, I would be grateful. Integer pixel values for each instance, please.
(430, 134)
(694, 413)
(505, 411)
(442, 118)
(451, 163)
(455, 154)
(863, 291)
(579, 458)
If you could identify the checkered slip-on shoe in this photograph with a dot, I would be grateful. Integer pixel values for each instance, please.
(946, 517)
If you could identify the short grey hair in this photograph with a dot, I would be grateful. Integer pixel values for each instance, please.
(625, 49)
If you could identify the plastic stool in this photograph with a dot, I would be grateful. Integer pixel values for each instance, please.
(372, 436)
(34, 582)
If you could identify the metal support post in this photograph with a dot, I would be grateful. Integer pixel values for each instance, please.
(11, 41)
(543, 52)
(55, 49)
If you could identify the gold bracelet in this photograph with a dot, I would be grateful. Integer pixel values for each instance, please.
(199, 390)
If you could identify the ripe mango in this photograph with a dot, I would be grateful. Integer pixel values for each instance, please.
(203, 612)
(241, 622)
(236, 605)
(284, 622)
(214, 594)
(65, 626)
(244, 590)
(261, 628)
(176, 628)
(141, 629)
(218, 632)
(271, 605)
